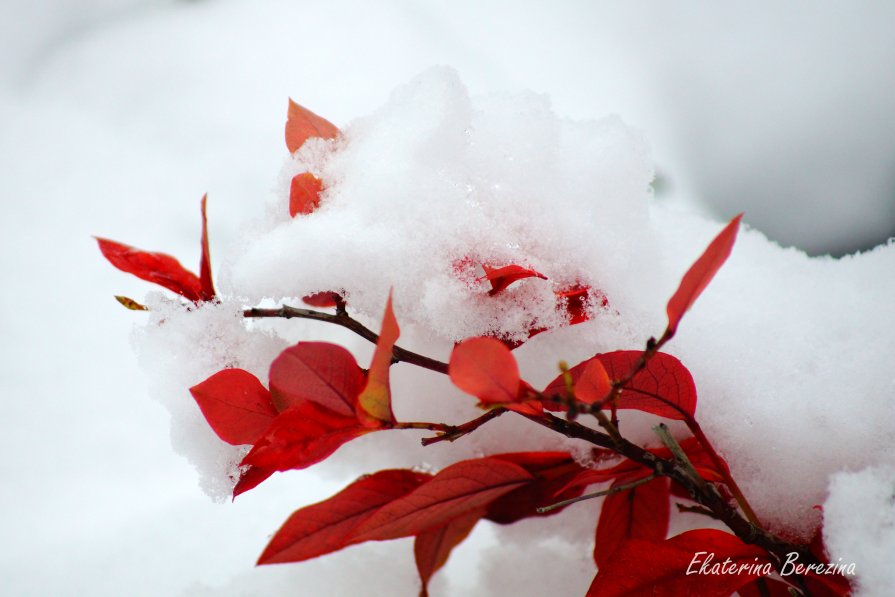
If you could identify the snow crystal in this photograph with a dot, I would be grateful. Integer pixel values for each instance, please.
(859, 527)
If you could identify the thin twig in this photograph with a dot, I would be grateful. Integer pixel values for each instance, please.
(456, 432)
(341, 318)
(596, 494)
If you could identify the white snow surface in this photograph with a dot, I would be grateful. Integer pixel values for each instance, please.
(116, 117)
(859, 526)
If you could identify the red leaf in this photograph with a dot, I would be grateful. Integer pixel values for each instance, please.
(594, 383)
(323, 300)
(317, 372)
(432, 548)
(552, 471)
(701, 273)
(208, 292)
(301, 436)
(660, 568)
(575, 298)
(304, 194)
(665, 387)
(375, 400)
(236, 405)
(249, 478)
(641, 512)
(502, 277)
(325, 527)
(302, 124)
(157, 268)
(485, 368)
(457, 490)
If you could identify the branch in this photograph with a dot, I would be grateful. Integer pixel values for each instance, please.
(596, 494)
(341, 318)
(711, 500)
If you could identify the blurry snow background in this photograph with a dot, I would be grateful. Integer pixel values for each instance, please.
(116, 116)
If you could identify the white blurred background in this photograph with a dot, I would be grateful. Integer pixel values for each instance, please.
(117, 115)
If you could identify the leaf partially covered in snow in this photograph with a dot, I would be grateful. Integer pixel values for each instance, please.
(302, 124)
(235, 404)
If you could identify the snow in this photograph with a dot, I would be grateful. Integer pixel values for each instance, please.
(116, 119)
(859, 526)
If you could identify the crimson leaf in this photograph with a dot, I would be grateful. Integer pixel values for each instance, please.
(432, 548)
(641, 512)
(485, 368)
(324, 527)
(157, 268)
(457, 490)
(317, 372)
(303, 435)
(236, 405)
(701, 273)
(660, 568)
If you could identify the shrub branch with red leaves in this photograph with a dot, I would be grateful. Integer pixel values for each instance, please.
(319, 398)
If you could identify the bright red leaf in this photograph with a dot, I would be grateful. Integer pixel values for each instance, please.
(205, 281)
(249, 478)
(375, 400)
(301, 436)
(641, 512)
(665, 387)
(323, 300)
(502, 277)
(157, 268)
(552, 472)
(162, 269)
(575, 299)
(304, 194)
(317, 372)
(457, 490)
(701, 273)
(325, 527)
(302, 124)
(594, 383)
(660, 568)
(432, 548)
(235, 404)
(485, 368)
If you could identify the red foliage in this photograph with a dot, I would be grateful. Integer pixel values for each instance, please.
(701, 273)
(323, 300)
(327, 526)
(664, 387)
(641, 512)
(303, 435)
(304, 194)
(374, 406)
(659, 568)
(432, 548)
(162, 269)
(485, 368)
(317, 372)
(551, 472)
(235, 404)
(502, 277)
(456, 491)
(302, 124)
